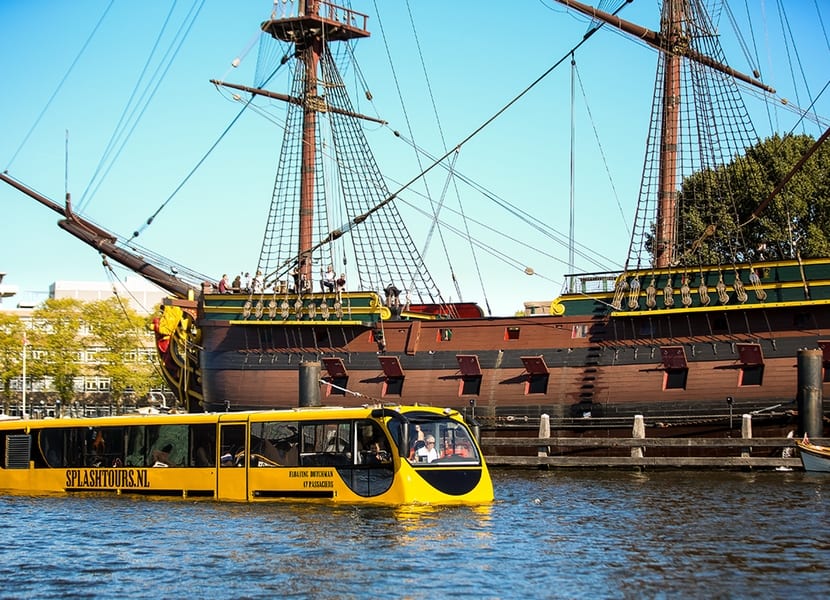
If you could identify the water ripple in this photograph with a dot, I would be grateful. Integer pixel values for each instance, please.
(549, 534)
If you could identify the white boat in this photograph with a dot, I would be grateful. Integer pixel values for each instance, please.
(814, 457)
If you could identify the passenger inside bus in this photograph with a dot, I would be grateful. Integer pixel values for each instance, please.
(427, 453)
(161, 458)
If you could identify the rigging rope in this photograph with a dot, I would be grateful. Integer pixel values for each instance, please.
(408, 285)
(198, 164)
(139, 109)
(60, 84)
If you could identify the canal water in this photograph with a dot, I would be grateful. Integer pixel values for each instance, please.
(549, 534)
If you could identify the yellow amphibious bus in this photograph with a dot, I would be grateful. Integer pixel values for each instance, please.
(380, 454)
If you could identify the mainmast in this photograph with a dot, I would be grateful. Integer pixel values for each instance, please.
(675, 41)
(316, 23)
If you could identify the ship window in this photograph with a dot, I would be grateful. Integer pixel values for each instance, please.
(470, 385)
(338, 386)
(338, 376)
(752, 364)
(393, 386)
(579, 331)
(675, 379)
(537, 383)
(511, 333)
(751, 375)
(444, 334)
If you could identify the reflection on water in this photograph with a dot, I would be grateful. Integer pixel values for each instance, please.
(556, 534)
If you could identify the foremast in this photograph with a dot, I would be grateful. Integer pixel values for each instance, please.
(316, 21)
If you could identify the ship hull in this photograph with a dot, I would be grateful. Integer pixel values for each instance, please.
(678, 366)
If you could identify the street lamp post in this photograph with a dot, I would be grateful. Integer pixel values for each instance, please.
(25, 343)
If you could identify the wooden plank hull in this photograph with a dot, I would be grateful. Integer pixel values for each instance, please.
(600, 367)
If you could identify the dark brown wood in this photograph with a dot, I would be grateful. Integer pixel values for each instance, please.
(646, 461)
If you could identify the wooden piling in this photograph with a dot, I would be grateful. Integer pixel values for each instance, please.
(746, 433)
(639, 433)
(544, 433)
(809, 398)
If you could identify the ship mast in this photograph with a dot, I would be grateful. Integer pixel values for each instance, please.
(326, 173)
(666, 228)
(674, 40)
(316, 23)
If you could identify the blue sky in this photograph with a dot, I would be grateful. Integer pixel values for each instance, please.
(477, 56)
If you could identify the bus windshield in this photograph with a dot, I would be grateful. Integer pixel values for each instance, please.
(429, 439)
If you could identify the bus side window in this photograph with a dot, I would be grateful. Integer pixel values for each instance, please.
(232, 445)
(203, 445)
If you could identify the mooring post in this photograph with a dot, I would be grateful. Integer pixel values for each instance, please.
(309, 383)
(639, 433)
(544, 433)
(746, 433)
(809, 398)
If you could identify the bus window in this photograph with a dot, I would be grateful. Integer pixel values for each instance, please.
(51, 446)
(203, 445)
(373, 447)
(167, 445)
(326, 444)
(232, 445)
(136, 446)
(104, 447)
(275, 443)
(453, 442)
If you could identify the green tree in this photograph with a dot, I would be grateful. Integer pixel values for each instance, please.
(56, 333)
(716, 205)
(12, 332)
(119, 331)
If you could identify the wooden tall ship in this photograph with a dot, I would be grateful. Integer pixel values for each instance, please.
(682, 342)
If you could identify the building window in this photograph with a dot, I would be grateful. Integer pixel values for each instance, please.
(96, 384)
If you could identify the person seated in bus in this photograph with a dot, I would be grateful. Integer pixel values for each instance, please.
(161, 458)
(204, 458)
(227, 460)
(97, 447)
(427, 453)
(460, 448)
(376, 453)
